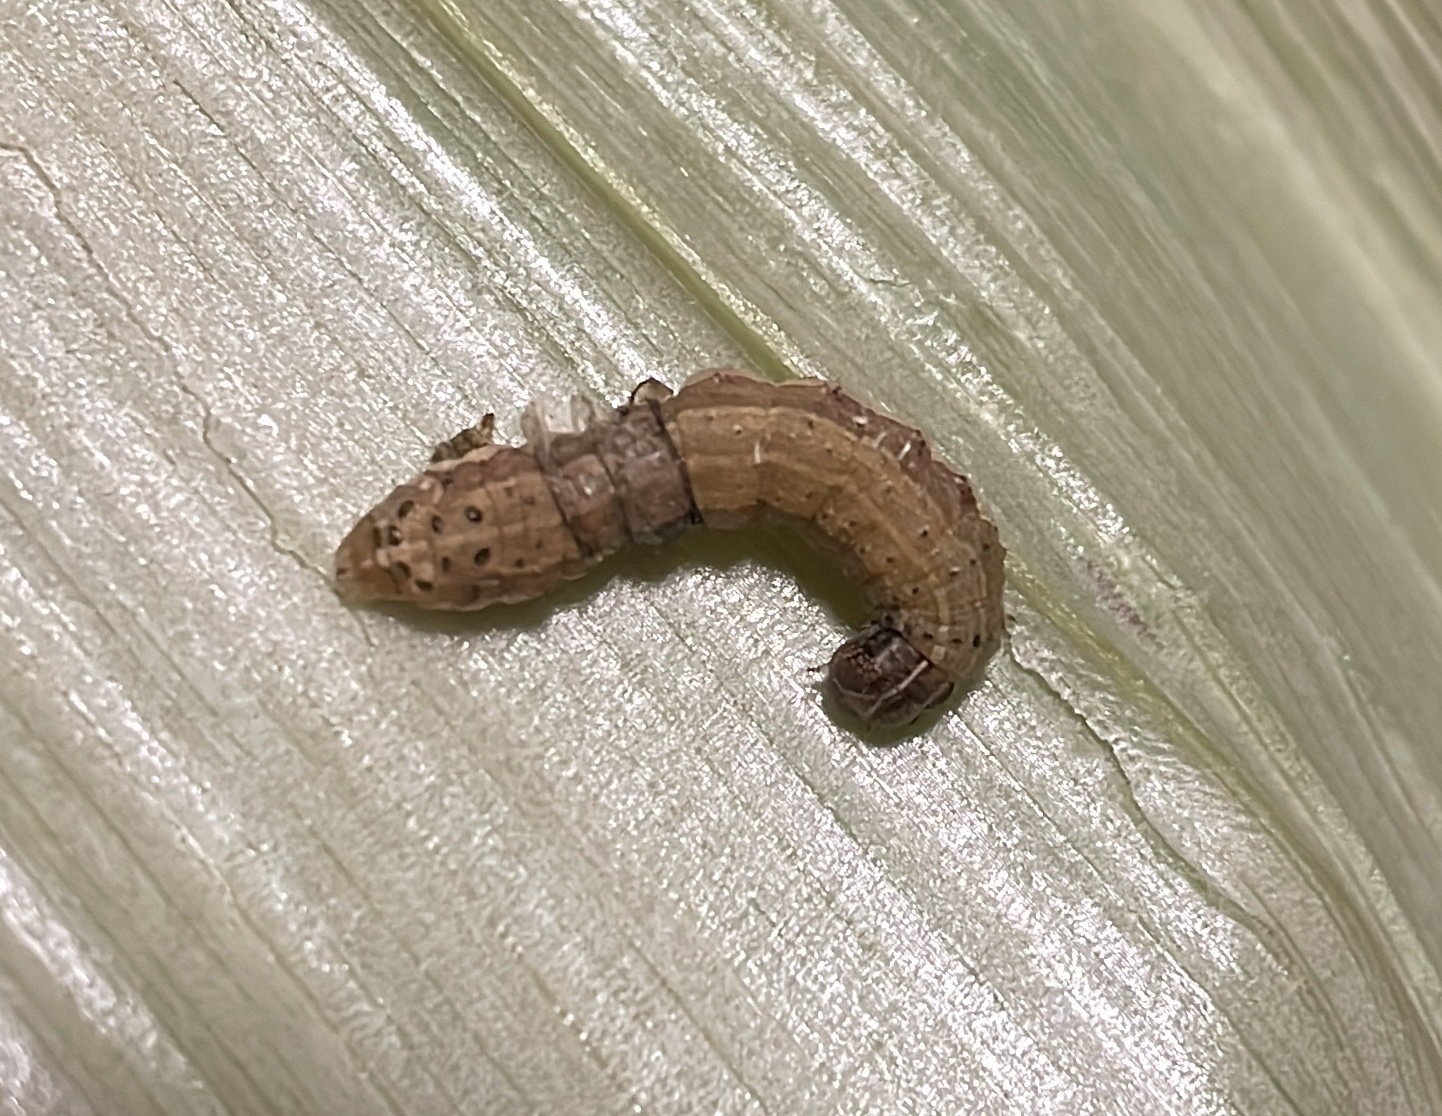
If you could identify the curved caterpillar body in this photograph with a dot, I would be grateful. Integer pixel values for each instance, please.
(487, 524)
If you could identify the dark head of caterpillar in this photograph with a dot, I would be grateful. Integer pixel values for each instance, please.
(881, 678)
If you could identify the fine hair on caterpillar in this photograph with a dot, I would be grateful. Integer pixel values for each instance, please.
(486, 524)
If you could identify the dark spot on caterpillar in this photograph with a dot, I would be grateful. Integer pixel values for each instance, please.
(520, 563)
(473, 513)
(976, 641)
(424, 586)
(445, 564)
(407, 506)
(401, 568)
(437, 524)
(482, 556)
(393, 535)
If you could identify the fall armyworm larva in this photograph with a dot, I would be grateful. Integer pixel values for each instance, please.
(487, 523)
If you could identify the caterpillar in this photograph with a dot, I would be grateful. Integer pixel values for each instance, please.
(487, 523)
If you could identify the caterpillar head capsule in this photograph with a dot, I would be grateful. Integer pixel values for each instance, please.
(881, 678)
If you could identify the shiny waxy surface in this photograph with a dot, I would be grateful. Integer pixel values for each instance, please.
(263, 853)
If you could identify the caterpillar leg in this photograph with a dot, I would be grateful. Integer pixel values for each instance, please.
(473, 437)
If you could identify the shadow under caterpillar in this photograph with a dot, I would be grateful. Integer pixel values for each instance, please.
(487, 524)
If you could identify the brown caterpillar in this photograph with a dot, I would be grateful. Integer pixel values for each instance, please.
(486, 523)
